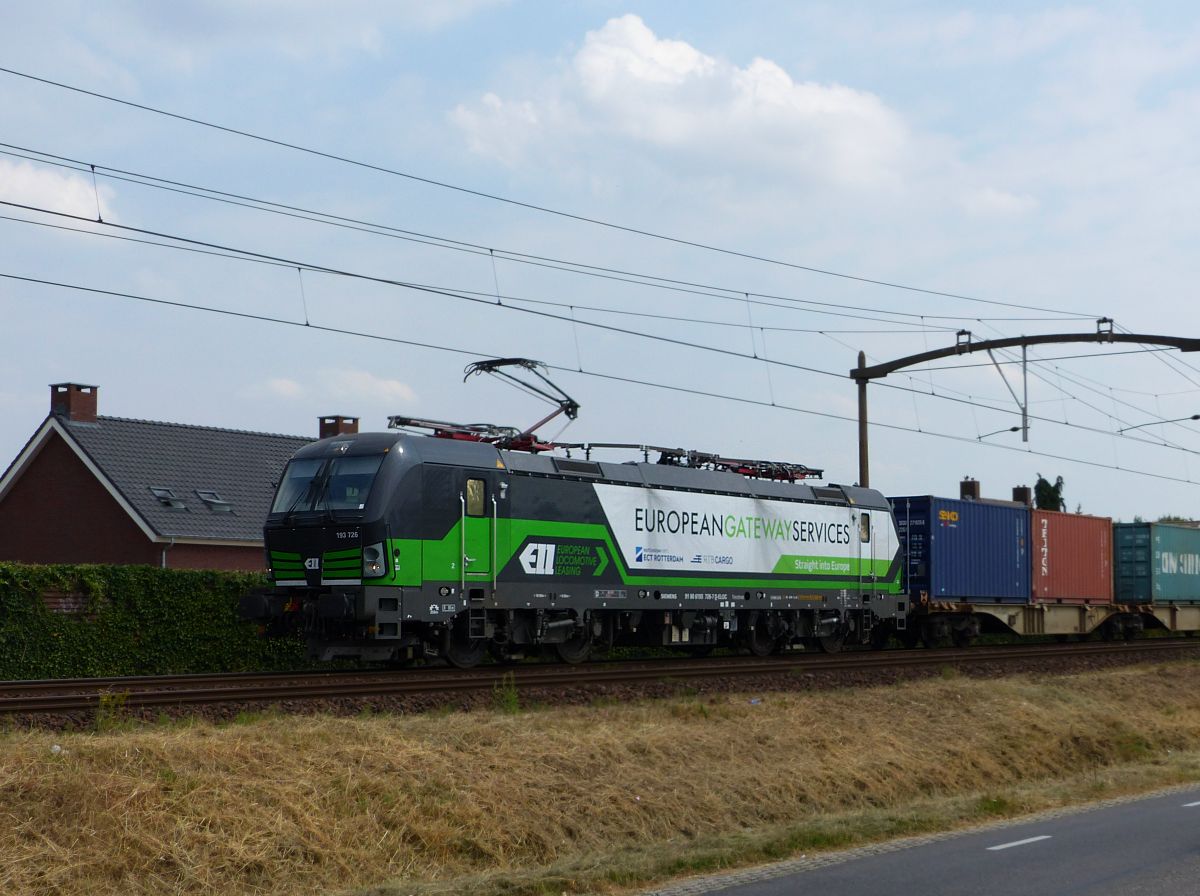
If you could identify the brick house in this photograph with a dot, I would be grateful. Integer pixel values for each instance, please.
(93, 489)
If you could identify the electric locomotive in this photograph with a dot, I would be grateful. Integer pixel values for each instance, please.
(395, 546)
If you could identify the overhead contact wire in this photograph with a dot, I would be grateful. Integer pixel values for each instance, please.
(595, 374)
(515, 202)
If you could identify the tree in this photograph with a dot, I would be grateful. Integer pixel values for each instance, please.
(1047, 496)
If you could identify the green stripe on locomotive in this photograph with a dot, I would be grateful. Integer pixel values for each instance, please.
(416, 562)
(579, 524)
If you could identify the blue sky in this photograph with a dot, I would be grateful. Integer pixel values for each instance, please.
(1039, 156)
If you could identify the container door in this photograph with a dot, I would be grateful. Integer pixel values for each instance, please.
(478, 506)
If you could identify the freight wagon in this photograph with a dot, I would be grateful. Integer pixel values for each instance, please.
(975, 566)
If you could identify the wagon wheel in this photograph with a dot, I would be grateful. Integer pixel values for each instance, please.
(459, 648)
(880, 635)
(961, 638)
(577, 648)
(928, 638)
(758, 638)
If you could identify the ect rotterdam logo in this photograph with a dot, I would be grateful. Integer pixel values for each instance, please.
(642, 554)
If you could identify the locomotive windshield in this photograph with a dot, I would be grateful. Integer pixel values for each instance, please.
(327, 483)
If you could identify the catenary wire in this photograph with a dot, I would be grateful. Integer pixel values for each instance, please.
(429, 290)
(595, 374)
(1173, 363)
(1133, 351)
(290, 263)
(435, 241)
(233, 256)
(1058, 386)
(416, 343)
(515, 202)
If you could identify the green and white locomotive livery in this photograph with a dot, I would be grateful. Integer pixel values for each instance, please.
(387, 546)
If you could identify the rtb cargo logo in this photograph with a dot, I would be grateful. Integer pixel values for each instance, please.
(538, 559)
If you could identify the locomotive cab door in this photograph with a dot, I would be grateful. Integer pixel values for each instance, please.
(865, 539)
(477, 504)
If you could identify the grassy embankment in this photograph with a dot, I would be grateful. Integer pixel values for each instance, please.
(570, 800)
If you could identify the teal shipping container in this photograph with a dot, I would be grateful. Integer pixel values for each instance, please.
(1156, 563)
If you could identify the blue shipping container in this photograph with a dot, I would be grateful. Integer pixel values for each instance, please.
(975, 551)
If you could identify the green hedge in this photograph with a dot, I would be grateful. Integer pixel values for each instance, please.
(138, 620)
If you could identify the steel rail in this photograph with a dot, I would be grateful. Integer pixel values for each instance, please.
(80, 696)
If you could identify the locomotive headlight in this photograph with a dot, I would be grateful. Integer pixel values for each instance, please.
(373, 562)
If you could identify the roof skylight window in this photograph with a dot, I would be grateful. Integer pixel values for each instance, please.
(167, 498)
(214, 502)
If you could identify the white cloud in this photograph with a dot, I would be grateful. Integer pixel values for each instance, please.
(364, 386)
(278, 387)
(625, 83)
(27, 184)
(496, 128)
(357, 388)
(990, 201)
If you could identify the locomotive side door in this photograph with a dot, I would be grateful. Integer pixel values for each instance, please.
(865, 539)
(477, 504)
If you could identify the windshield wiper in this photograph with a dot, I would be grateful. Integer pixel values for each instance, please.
(310, 494)
(323, 494)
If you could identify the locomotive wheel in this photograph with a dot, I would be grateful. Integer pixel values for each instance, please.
(501, 654)
(758, 639)
(831, 643)
(577, 649)
(460, 649)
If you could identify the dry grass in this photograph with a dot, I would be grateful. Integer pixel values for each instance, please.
(571, 799)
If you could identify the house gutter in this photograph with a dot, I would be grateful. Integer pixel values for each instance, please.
(170, 544)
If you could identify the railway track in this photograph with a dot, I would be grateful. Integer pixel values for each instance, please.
(74, 696)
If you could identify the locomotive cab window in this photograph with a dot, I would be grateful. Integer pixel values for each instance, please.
(327, 484)
(475, 494)
(864, 528)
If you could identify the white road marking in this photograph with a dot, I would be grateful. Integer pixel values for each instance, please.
(1190, 805)
(1018, 843)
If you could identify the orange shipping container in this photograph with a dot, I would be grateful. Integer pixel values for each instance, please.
(1071, 557)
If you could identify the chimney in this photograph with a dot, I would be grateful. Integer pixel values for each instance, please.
(1023, 494)
(337, 425)
(968, 489)
(74, 401)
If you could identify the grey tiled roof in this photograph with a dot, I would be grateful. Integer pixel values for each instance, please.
(242, 467)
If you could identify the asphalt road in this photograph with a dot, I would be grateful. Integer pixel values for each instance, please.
(1149, 847)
